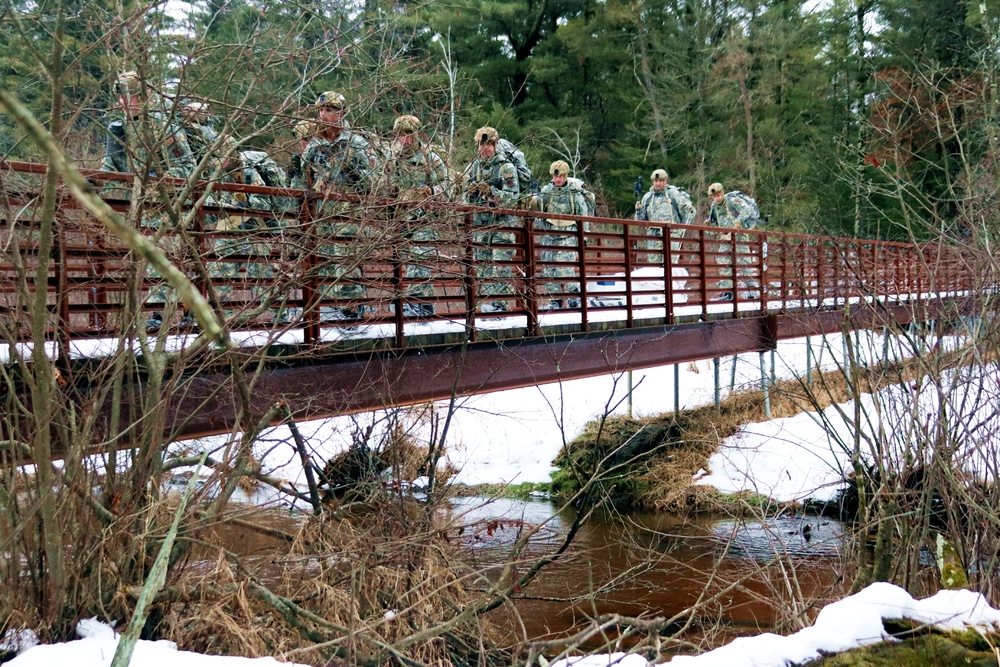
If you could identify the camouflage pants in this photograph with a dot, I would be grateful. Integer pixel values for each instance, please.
(565, 238)
(339, 258)
(649, 244)
(418, 274)
(746, 279)
(237, 243)
(159, 292)
(492, 247)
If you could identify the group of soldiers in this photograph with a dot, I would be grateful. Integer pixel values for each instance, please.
(334, 157)
(736, 210)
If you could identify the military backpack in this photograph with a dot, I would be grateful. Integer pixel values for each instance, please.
(513, 154)
(750, 204)
(273, 175)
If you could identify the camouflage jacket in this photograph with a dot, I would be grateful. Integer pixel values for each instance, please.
(669, 205)
(125, 150)
(201, 137)
(570, 199)
(418, 168)
(348, 162)
(500, 175)
(735, 211)
(228, 198)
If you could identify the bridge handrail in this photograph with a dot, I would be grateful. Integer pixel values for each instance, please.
(693, 262)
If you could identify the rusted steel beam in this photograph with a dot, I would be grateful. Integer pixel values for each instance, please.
(347, 384)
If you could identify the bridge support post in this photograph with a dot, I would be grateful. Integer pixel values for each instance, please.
(677, 389)
(718, 389)
(809, 370)
(765, 386)
(629, 397)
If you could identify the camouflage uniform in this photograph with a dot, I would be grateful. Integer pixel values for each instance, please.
(236, 228)
(347, 163)
(672, 205)
(416, 173)
(737, 213)
(493, 182)
(201, 135)
(299, 177)
(138, 143)
(571, 198)
(125, 151)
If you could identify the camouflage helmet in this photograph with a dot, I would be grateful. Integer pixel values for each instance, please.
(659, 173)
(406, 125)
(487, 135)
(196, 111)
(128, 83)
(331, 98)
(305, 129)
(715, 189)
(559, 167)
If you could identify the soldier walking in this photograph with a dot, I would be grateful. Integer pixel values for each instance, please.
(568, 196)
(665, 203)
(737, 211)
(145, 143)
(341, 161)
(491, 180)
(416, 173)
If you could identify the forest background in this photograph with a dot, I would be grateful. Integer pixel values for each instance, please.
(843, 118)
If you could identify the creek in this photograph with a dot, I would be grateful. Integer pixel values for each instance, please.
(657, 564)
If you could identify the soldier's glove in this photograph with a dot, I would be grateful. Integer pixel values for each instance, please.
(534, 203)
(638, 205)
(725, 237)
(425, 192)
(409, 194)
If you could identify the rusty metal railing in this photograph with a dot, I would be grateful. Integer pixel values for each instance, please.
(311, 263)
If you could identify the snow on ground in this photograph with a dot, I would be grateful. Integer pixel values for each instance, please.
(97, 644)
(809, 455)
(849, 623)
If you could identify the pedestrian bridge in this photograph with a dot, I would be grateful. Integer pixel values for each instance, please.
(344, 303)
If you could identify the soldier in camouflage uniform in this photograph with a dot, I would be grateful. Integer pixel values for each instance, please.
(145, 144)
(491, 180)
(737, 211)
(416, 173)
(665, 203)
(298, 177)
(236, 227)
(340, 161)
(569, 196)
(196, 120)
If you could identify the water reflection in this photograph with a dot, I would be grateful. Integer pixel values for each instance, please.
(796, 535)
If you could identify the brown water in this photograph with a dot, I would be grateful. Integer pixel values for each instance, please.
(643, 564)
(637, 564)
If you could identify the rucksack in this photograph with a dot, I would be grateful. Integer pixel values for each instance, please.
(514, 155)
(273, 175)
(681, 197)
(589, 196)
(751, 205)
